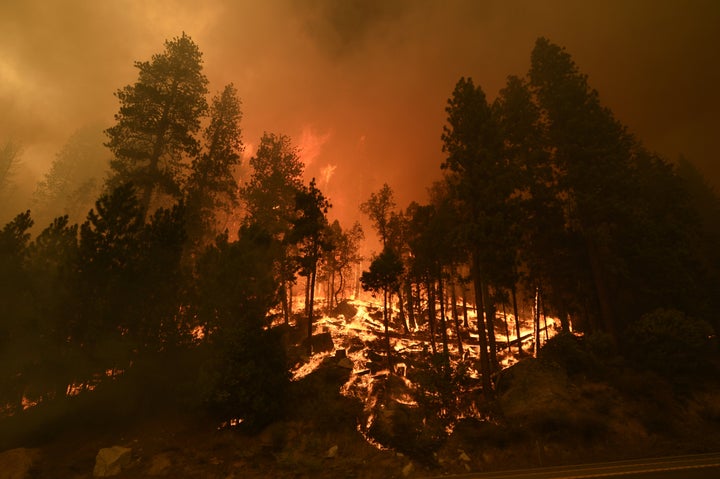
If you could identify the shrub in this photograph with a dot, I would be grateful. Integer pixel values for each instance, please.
(671, 343)
(248, 379)
(571, 353)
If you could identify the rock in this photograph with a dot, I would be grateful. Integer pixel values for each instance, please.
(346, 363)
(340, 353)
(346, 309)
(110, 461)
(332, 452)
(159, 465)
(320, 343)
(408, 469)
(273, 436)
(16, 463)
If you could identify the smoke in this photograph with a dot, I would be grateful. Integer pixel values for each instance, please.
(372, 77)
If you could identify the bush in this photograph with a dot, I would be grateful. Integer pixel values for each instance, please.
(572, 353)
(671, 343)
(247, 379)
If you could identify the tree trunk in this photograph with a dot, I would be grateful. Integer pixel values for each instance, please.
(484, 357)
(453, 295)
(544, 313)
(328, 292)
(341, 287)
(564, 321)
(465, 307)
(431, 313)
(291, 298)
(517, 319)
(418, 300)
(411, 304)
(386, 319)
(456, 320)
(311, 295)
(285, 305)
(403, 319)
(536, 321)
(507, 330)
(443, 323)
(490, 321)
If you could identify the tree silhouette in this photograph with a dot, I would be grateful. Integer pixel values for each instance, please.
(212, 188)
(310, 233)
(378, 208)
(158, 118)
(384, 275)
(269, 197)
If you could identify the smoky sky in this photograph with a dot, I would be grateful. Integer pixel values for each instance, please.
(361, 86)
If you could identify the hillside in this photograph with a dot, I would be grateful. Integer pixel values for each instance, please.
(349, 416)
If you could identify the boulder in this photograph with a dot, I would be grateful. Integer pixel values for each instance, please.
(332, 452)
(320, 343)
(345, 309)
(110, 461)
(16, 463)
(346, 363)
(160, 465)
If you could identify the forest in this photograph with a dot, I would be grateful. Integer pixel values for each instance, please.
(185, 286)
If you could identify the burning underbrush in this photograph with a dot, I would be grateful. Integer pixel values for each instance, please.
(411, 402)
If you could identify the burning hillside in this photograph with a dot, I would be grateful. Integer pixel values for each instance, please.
(430, 390)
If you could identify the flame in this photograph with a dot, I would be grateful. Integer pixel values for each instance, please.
(311, 144)
(326, 173)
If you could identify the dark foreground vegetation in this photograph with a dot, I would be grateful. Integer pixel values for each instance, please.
(171, 304)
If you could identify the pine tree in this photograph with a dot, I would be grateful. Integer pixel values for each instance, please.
(310, 231)
(159, 115)
(212, 189)
(269, 197)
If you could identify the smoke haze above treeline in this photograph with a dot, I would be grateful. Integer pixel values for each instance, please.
(360, 86)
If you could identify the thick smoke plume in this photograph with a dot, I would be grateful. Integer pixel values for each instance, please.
(360, 86)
